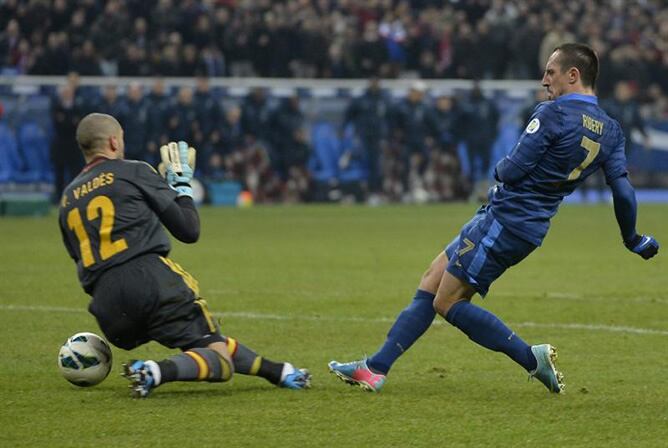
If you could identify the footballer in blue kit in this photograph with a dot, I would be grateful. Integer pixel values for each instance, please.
(567, 139)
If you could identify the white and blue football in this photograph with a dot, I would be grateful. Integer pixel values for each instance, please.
(85, 359)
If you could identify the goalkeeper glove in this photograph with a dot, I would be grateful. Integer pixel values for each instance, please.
(644, 245)
(177, 166)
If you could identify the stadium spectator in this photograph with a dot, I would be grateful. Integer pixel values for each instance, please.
(207, 110)
(166, 17)
(202, 34)
(255, 115)
(443, 179)
(230, 131)
(158, 108)
(290, 147)
(445, 123)
(525, 48)
(139, 35)
(370, 53)
(167, 62)
(212, 62)
(624, 108)
(59, 16)
(288, 138)
(190, 64)
(369, 115)
(9, 43)
(85, 61)
(136, 123)
(109, 31)
(182, 121)
(224, 148)
(78, 30)
(465, 61)
(411, 123)
(554, 37)
(112, 104)
(134, 62)
(8, 12)
(65, 154)
(478, 127)
(52, 60)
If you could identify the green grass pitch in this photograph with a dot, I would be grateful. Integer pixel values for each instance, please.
(315, 283)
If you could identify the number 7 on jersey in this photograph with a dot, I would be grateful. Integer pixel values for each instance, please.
(592, 149)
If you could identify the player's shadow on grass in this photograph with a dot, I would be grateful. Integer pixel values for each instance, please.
(219, 390)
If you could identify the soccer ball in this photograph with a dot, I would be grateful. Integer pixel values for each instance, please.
(85, 359)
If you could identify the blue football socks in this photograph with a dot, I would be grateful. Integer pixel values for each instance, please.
(411, 323)
(486, 329)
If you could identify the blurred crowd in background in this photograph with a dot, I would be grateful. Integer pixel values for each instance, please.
(421, 147)
(472, 39)
(385, 148)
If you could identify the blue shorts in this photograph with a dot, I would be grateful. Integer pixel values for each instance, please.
(483, 251)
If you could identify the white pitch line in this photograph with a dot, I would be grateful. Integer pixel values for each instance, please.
(285, 317)
(594, 327)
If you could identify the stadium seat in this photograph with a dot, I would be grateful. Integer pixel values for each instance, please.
(7, 151)
(34, 147)
(325, 157)
(357, 169)
(11, 152)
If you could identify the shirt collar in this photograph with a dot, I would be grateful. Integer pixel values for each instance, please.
(578, 97)
(96, 161)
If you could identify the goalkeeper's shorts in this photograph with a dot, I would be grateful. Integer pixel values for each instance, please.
(151, 298)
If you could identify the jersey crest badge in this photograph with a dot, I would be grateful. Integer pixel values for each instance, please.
(533, 126)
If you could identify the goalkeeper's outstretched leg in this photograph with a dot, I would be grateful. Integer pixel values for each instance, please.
(215, 363)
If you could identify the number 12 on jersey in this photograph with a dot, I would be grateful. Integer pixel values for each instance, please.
(99, 207)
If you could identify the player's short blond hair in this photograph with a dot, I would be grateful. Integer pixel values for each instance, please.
(94, 130)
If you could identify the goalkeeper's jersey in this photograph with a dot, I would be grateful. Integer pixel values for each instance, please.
(109, 215)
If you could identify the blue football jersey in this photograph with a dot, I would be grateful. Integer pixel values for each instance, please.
(565, 141)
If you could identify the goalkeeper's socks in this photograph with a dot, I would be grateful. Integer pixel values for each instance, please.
(411, 323)
(486, 329)
(156, 372)
(247, 362)
(197, 364)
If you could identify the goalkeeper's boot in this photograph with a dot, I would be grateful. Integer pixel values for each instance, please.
(292, 378)
(141, 378)
(546, 372)
(357, 373)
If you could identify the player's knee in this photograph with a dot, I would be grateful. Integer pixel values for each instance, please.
(216, 366)
(442, 304)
